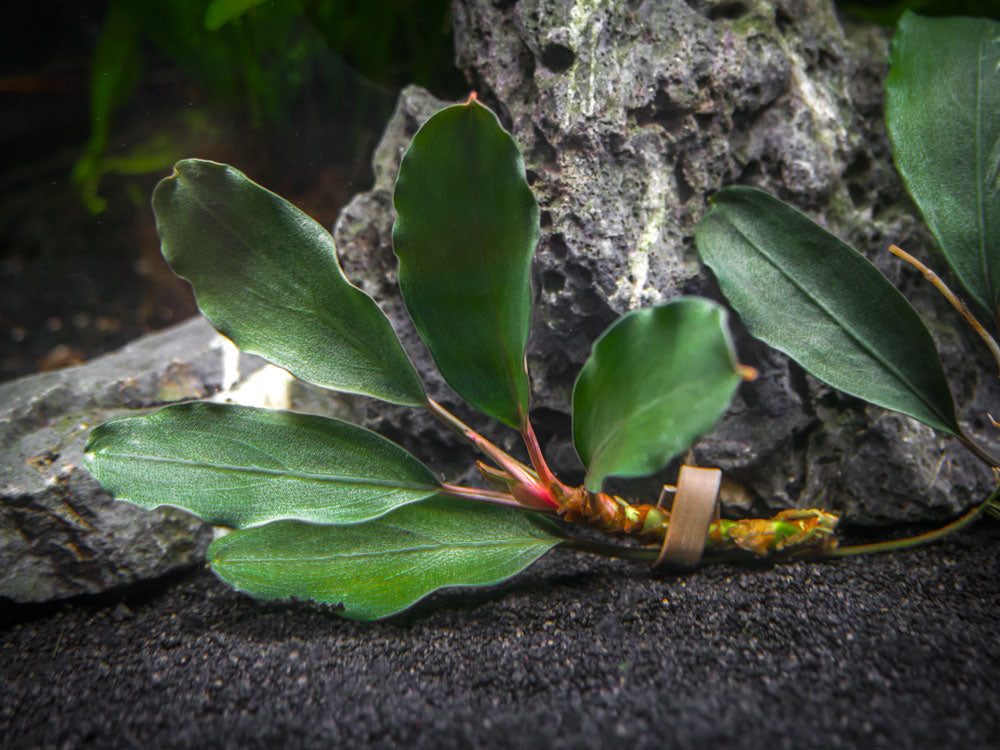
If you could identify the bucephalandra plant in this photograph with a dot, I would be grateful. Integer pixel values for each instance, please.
(330, 511)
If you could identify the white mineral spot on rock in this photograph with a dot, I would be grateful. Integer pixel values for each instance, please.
(267, 388)
(230, 361)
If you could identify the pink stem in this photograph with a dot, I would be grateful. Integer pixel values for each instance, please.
(475, 438)
(530, 491)
(545, 475)
(515, 468)
(486, 496)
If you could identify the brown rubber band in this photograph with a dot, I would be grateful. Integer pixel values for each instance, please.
(695, 506)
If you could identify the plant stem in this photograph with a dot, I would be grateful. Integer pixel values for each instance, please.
(950, 296)
(916, 541)
(472, 436)
(642, 554)
(742, 551)
(545, 475)
(982, 455)
(486, 496)
(647, 554)
(991, 344)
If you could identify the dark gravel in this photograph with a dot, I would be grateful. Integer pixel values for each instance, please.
(899, 650)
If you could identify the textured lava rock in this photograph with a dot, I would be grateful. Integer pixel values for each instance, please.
(629, 116)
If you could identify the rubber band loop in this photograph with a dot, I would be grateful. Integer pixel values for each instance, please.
(695, 505)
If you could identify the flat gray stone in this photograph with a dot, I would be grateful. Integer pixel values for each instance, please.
(61, 534)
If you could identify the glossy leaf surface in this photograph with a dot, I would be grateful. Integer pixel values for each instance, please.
(655, 380)
(465, 231)
(805, 292)
(239, 466)
(943, 115)
(266, 275)
(378, 568)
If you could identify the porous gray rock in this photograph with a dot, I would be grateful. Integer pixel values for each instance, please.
(629, 115)
(61, 534)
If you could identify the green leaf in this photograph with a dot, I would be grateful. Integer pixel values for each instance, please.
(466, 227)
(220, 12)
(943, 115)
(806, 293)
(381, 567)
(238, 466)
(655, 380)
(266, 275)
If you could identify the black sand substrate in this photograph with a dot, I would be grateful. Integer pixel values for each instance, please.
(897, 650)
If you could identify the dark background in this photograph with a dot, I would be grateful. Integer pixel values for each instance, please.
(299, 109)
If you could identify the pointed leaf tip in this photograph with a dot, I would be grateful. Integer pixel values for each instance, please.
(239, 466)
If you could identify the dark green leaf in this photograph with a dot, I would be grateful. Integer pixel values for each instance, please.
(378, 568)
(266, 275)
(465, 230)
(655, 380)
(803, 291)
(238, 466)
(943, 114)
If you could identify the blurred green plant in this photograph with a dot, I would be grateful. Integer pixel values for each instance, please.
(260, 56)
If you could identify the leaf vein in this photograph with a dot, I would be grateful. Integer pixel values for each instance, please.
(259, 470)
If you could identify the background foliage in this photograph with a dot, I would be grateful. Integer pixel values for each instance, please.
(260, 56)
